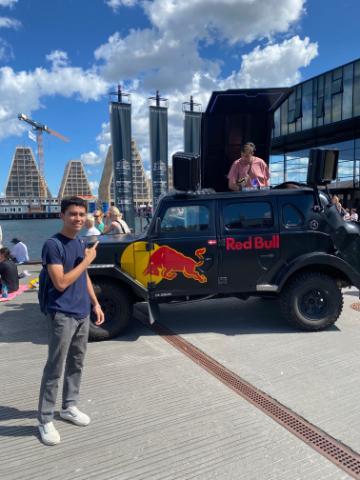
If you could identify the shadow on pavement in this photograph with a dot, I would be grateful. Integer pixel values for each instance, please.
(23, 322)
(11, 413)
(226, 316)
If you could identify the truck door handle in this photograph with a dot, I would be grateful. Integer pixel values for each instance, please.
(267, 255)
(208, 261)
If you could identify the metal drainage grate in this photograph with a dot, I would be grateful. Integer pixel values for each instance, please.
(341, 455)
(356, 306)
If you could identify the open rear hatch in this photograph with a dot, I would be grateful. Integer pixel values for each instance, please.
(232, 118)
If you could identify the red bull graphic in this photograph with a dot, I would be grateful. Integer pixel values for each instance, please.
(253, 243)
(167, 262)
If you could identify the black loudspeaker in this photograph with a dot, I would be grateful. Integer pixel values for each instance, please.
(186, 171)
(322, 167)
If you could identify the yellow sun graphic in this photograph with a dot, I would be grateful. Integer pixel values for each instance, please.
(135, 259)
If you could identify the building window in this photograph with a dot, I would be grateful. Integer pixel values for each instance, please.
(347, 91)
(320, 107)
(337, 86)
(295, 113)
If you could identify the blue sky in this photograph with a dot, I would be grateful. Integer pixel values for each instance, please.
(60, 58)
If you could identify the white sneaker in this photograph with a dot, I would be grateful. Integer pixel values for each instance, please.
(49, 434)
(73, 414)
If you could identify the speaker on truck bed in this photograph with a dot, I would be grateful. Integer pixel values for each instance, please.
(186, 171)
(322, 167)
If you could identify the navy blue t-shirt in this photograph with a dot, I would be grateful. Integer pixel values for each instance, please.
(75, 299)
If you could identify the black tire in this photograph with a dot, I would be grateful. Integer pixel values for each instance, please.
(116, 303)
(311, 301)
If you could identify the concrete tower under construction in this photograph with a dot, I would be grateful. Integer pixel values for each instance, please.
(24, 180)
(75, 182)
(141, 186)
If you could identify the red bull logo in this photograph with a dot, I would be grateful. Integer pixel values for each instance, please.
(253, 243)
(167, 262)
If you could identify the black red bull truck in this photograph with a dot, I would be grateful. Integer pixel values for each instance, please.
(288, 242)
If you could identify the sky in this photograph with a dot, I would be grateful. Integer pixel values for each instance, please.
(60, 59)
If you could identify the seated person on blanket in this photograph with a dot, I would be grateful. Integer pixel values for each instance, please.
(8, 271)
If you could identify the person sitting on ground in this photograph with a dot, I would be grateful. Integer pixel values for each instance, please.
(8, 271)
(248, 170)
(354, 217)
(99, 224)
(90, 226)
(116, 224)
(19, 251)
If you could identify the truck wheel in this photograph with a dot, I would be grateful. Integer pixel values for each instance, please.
(117, 307)
(311, 301)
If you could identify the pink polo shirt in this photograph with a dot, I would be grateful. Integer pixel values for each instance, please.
(256, 169)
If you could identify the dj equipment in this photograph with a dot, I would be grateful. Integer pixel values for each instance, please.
(186, 171)
(322, 167)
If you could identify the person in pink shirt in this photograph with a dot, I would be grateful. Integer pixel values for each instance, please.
(248, 170)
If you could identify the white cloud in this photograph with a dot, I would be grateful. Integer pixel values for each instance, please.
(6, 51)
(58, 58)
(234, 20)
(94, 185)
(274, 65)
(159, 61)
(90, 158)
(6, 22)
(22, 91)
(7, 3)
(116, 4)
(167, 56)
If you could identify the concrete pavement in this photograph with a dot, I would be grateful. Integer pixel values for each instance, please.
(157, 415)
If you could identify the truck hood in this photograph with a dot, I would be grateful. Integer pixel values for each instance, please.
(111, 247)
(346, 237)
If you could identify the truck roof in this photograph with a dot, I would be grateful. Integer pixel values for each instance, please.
(211, 195)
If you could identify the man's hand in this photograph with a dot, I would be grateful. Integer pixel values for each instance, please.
(100, 317)
(90, 253)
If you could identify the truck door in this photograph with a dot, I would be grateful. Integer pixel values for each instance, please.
(184, 256)
(250, 243)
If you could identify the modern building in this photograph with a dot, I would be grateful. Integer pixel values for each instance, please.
(141, 185)
(323, 111)
(106, 192)
(170, 177)
(74, 181)
(24, 180)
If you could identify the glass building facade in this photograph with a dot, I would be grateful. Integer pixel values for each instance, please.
(323, 111)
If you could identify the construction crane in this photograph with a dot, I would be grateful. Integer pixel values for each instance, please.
(39, 128)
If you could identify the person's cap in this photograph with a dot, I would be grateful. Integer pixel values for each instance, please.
(15, 240)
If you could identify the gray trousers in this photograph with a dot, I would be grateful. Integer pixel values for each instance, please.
(68, 340)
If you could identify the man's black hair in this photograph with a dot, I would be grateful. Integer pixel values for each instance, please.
(68, 201)
(5, 252)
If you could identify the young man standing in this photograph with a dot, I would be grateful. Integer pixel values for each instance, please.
(69, 296)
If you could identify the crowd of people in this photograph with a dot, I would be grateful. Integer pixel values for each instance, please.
(348, 214)
(97, 223)
(110, 223)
